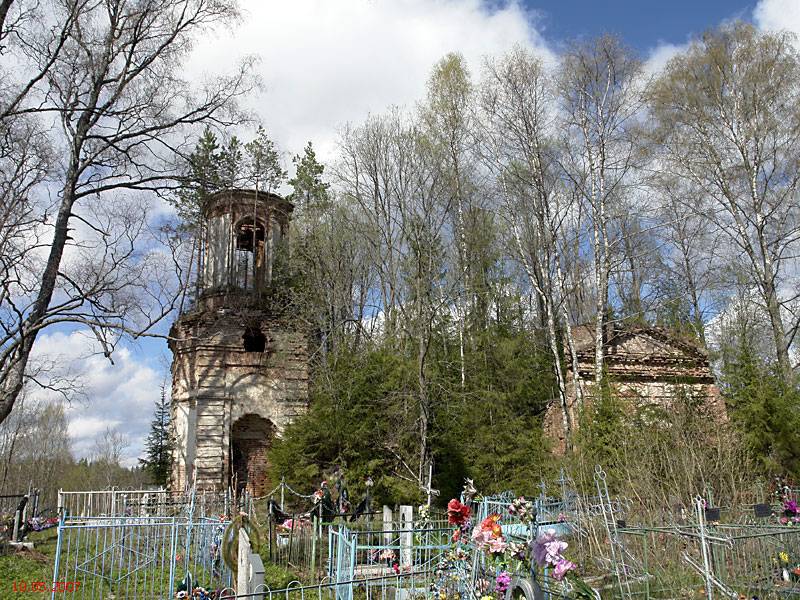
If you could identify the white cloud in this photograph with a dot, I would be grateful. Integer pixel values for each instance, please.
(119, 396)
(768, 15)
(323, 64)
(778, 14)
(326, 63)
(659, 56)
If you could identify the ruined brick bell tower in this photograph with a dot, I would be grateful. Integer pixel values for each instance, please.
(240, 366)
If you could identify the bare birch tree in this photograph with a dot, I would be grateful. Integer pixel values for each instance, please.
(600, 97)
(111, 83)
(517, 102)
(728, 119)
(448, 115)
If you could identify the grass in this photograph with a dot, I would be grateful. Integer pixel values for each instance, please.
(19, 566)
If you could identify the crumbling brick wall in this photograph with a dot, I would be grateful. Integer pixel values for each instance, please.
(644, 366)
(216, 382)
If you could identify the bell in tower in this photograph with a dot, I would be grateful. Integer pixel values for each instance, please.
(240, 363)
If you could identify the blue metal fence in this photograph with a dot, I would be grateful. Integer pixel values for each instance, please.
(138, 557)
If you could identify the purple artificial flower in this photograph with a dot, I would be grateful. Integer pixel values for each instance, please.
(539, 546)
(790, 506)
(502, 582)
(562, 567)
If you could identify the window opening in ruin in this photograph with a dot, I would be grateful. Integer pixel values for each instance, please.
(249, 239)
(254, 340)
(249, 235)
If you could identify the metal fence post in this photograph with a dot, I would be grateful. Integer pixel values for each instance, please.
(172, 558)
(704, 546)
(57, 560)
(406, 537)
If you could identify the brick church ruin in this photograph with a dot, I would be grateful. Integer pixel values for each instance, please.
(645, 366)
(240, 366)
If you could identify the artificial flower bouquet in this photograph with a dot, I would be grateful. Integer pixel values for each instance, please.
(790, 514)
(506, 556)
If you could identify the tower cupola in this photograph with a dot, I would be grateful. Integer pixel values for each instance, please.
(243, 231)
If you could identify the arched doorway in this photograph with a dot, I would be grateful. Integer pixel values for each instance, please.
(251, 438)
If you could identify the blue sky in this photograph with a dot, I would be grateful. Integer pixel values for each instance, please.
(643, 24)
(326, 63)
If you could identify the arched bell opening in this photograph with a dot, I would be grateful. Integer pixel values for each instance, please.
(249, 237)
(249, 234)
(251, 439)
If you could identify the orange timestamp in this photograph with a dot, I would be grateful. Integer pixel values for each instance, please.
(45, 586)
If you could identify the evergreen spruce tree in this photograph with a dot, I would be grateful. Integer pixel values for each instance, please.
(158, 445)
(202, 177)
(230, 164)
(263, 163)
(309, 188)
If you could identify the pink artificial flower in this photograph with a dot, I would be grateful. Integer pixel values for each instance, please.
(554, 550)
(481, 536)
(502, 582)
(562, 567)
(497, 545)
(517, 550)
(387, 555)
